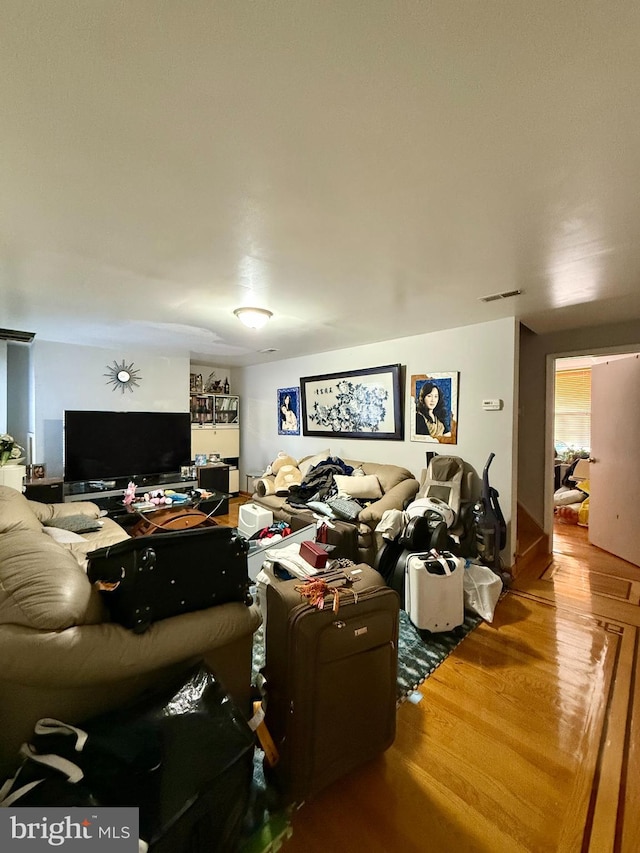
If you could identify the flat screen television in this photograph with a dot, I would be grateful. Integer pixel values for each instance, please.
(111, 445)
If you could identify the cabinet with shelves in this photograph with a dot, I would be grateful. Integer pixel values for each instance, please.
(215, 428)
(214, 410)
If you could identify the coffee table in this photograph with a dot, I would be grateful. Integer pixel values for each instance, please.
(185, 515)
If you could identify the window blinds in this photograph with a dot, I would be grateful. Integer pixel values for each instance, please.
(573, 408)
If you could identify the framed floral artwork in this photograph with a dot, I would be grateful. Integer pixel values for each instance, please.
(434, 407)
(353, 404)
(288, 411)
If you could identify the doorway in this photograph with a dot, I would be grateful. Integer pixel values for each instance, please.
(597, 490)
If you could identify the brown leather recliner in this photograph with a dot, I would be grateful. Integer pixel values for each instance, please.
(61, 657)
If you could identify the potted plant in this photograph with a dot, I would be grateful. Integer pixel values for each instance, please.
(10, 451)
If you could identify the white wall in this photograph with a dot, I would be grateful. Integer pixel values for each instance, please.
(19, 401)
(3, 386)
(485, 356)
(72, 377)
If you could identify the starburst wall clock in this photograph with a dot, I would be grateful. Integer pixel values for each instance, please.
(122, 376)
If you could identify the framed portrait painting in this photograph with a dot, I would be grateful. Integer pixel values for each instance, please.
(353, 404)
(434, 408)
(288, 411)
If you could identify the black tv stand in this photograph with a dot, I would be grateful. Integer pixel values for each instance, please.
(108, 494)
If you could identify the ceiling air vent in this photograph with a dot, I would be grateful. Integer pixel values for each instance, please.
(13, 335)
(495, 296)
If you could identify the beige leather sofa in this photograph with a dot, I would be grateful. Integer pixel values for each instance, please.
(398, 486)
(61, 657)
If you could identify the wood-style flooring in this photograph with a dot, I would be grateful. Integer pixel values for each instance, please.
(527, 737)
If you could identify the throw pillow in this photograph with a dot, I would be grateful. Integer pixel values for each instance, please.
(365, 488)
(77, 545)
(565, 496)
(75, 523)
(64, 537)
(320, 507)
(309, 461)
(45, 511)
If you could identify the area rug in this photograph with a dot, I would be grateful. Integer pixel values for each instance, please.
(419, 654)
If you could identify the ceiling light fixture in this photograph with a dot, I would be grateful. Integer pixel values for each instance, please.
(254, 318)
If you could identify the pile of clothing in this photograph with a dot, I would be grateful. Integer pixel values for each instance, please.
(318, 483)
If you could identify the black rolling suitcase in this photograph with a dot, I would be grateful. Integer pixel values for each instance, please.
(330, 681)
(148, 578)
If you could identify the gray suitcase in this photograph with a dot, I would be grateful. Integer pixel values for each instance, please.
(330, 681)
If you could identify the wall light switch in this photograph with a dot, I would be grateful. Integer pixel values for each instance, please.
(492, 405)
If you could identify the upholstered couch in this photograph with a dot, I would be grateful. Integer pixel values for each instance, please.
(398, 487)
(61, 657)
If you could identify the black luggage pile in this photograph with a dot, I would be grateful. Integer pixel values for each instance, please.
(185, 759)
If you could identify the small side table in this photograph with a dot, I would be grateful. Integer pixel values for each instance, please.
(252, 475)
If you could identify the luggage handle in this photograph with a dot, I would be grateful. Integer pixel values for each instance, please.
(444, 565)
(45, 726)
(48, 726)
(73, 773)
(440, 558)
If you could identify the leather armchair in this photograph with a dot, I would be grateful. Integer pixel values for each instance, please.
(62, 658)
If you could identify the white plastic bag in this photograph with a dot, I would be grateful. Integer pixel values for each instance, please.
(482, 588)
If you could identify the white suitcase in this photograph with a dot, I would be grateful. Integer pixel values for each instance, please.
(434, 596)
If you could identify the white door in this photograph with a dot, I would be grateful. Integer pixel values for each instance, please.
(615, 453)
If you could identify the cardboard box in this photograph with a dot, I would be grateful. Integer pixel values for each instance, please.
(314, 554)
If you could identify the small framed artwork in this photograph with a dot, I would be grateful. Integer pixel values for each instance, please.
(353, 404)
(195, 383)
(288, 411)
(434, 407)
(36, 471)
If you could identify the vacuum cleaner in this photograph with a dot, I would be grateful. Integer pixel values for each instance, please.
(490, 526)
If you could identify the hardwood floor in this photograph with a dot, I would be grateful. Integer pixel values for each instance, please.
(527, 738)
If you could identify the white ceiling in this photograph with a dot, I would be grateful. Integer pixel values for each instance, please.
(363, 169)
